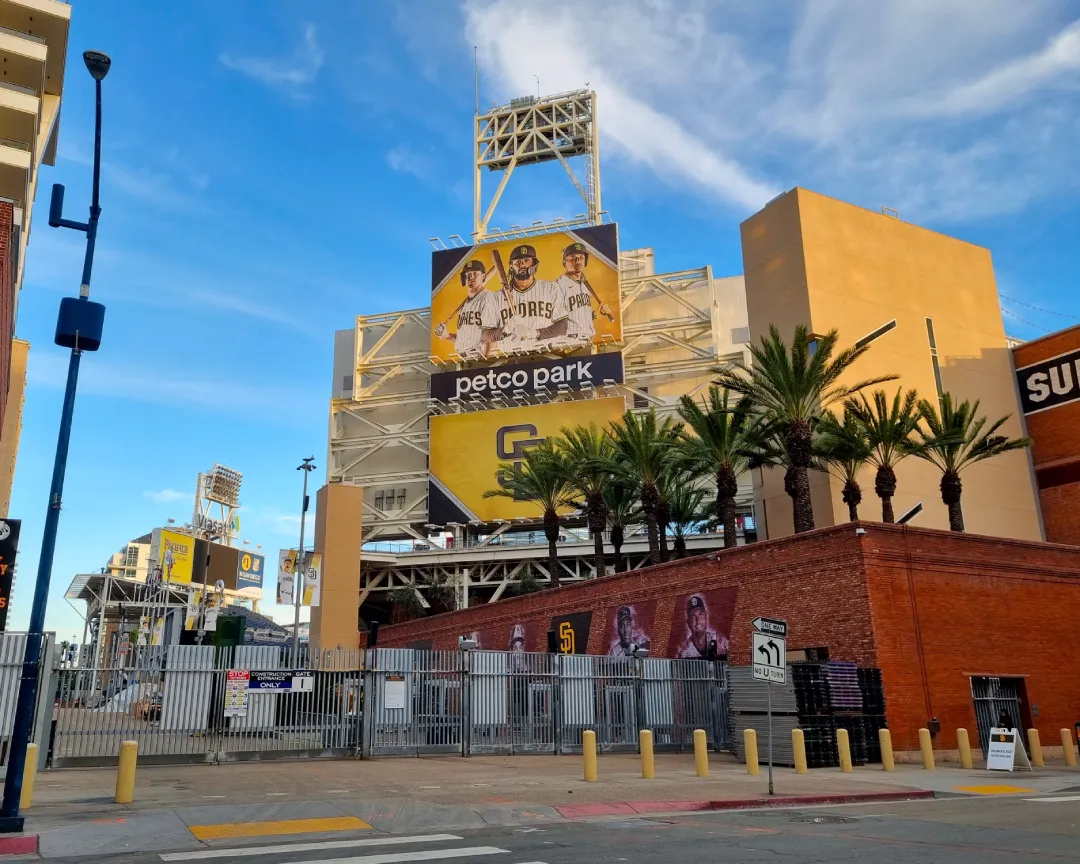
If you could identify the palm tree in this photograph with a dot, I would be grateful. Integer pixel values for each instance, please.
(955, 439)
(789, 390)
(621, 499)
(641, 453)
(539, 477)
(587, 454)
(723, 445)
(845, 450)
(889, 431)
(686, 510)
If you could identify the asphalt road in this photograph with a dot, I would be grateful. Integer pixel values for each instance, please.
(1017, 830)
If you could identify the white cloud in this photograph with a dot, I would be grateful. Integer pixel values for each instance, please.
(168, 496)
(292, 73)
(407, 161)
(950, 109)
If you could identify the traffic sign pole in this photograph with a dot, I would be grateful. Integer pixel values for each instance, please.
(769, 709)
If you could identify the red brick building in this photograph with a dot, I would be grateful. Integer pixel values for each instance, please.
(933, 609)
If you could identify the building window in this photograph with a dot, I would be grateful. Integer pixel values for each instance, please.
(877, 334)
(934, 356)
(640, 401)
(740, 335)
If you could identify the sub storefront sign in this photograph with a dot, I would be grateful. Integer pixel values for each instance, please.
(237, 682)
(295, 682)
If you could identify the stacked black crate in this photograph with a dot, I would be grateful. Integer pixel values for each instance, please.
(873, 697)
(847, 706)
(815, 714)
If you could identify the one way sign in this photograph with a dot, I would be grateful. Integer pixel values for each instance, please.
(769, 658)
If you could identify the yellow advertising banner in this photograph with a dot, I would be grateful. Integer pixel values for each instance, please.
(177, 557)
(549, 293)
(466, 449)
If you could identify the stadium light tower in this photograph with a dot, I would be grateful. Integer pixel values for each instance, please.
(78, 327)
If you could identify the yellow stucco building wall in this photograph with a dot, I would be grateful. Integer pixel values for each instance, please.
(817, 261)
(338, 517)
(9, 435)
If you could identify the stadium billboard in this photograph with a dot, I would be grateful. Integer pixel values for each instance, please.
(175, 552)
(466, 449)
(528, 379)
(550, 293)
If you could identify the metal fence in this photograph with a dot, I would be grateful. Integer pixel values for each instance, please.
(502, 702)
(12, 649)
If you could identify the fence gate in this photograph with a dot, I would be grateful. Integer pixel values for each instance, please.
(415, 703)
(511, 702)
(991, 695)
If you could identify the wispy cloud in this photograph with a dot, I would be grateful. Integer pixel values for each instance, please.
(167, 496)
(408, 161)
(291, 74)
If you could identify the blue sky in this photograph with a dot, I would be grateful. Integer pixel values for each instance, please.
(274, 168)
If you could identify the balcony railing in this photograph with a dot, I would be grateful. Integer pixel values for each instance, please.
(18, 88)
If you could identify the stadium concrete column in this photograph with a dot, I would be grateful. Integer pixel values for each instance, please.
(338, 520)
(928, 305)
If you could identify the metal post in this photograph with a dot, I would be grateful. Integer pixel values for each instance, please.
(300, 569)
(768, 685)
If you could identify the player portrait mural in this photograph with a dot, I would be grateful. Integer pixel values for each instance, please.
(629, 626)
(699, 620)
(550, 293)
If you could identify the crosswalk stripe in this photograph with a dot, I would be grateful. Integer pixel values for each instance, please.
(402, 857)
(1054, 800)
(289, 848)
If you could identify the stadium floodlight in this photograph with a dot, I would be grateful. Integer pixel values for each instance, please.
(222, 484)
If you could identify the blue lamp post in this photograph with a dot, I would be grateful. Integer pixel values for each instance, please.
(78, 327)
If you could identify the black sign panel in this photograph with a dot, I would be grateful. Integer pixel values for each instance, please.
(528, 378)
(9, 548)
(1049, 383)
(572, 632)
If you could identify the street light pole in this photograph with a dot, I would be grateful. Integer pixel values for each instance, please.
(300, 568)
(78, 327)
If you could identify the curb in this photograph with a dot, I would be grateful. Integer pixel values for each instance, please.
(19, 844)
(637, 808)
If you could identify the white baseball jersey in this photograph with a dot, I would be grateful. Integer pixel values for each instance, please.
(480, 313)
(542, 304)
(579, 306)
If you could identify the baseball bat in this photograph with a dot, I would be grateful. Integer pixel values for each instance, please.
(497, 257)
(596, 296)
(453, 315)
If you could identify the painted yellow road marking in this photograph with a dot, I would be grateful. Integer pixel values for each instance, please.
(229, 830)
(993, 790)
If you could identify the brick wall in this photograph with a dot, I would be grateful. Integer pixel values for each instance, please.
(931, 608)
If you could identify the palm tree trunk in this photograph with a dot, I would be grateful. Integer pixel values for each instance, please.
(616, 537)
(597, 518)
(650, 503)
(662, 523)
(885, 486)
(727, 486)
(853, 498)
(598, 553)
(551, 531)
(951, 492)
(799, 441)
(680, 546)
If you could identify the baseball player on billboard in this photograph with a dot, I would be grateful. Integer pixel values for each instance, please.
(479, 316)
(627, 635)
(579, 296)
(699, 634)
(538, 317)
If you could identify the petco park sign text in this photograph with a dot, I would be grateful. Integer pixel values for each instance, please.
(528, 378)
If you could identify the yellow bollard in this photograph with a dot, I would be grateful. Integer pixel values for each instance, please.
(1035, 746)
(1067, 748)
(29, 776)
(588, 750)
(125, 773)
(926, 745)
(963, 744)
(701, 753)
(750, 745)
(885, 740)
(843, 746)
(798, 744)
(648, 764)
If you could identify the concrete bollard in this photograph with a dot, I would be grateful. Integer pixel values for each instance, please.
(588, 751)
(885, 740)
(29, 776)
(963, 744)
(648, 764)
(1035, 746)
(843, 747)
(926, 745)
(750, 745)
(125, 772)
(1067, 748)
(798, 744)
(701, 753)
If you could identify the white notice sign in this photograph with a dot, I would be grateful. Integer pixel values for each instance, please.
(1001, 751)
(769, 654)
(395, 691)
(236, 692)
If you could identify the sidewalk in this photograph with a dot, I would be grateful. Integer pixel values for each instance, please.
(73, 810)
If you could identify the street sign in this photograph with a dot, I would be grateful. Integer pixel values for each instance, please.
(771, 626)
(297, 682)
(769, 656)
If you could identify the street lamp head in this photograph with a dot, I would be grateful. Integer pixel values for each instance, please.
(97, 64)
